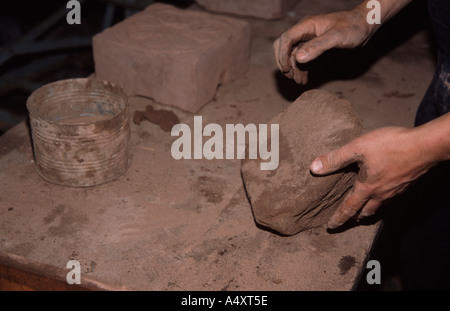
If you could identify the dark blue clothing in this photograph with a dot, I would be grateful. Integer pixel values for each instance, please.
(440, 19)
(437, 98)
(426, 250)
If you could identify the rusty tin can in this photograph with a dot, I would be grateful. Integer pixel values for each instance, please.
(80, 130)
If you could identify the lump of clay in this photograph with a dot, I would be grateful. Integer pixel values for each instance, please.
(176, 57)
(290, 199)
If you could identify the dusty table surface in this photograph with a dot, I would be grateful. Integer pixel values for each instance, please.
(187, 225)
(164, 225)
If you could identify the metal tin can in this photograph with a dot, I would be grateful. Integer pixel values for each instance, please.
(80, 130)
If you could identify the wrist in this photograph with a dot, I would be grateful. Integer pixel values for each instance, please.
(360, 13)
(434, 139)
(387, 9)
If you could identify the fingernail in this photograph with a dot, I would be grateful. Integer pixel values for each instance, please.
(364, 215)
(302, 55)
(332, 225)
(316, 166)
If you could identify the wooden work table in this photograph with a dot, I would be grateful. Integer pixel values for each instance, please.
(164, 225)
(187, 224)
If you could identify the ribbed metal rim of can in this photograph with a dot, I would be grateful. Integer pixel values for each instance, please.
(114, 89)
(44, 97)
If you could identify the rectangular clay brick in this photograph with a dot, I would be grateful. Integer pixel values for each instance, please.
(177, 57)
(266, 9)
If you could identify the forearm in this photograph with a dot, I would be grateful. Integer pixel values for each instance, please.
(433, 139)
(388, 9)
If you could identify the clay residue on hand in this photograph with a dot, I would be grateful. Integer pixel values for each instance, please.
(165, 119)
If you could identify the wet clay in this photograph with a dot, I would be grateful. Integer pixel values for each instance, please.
(290, 199)
(165, 119)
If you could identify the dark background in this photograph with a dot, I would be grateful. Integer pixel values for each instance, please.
(17, 18)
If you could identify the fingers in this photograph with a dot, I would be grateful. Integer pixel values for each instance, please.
(360, 195)
(301, 32)
(299, 76)
(335, 160)
(290, 72)
(294, 72)
(276, 50)
(357, 202)
(317, 46)
(370, 208)
(352, 204)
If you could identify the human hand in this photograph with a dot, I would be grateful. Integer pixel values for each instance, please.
(316, 34)
(390, 159)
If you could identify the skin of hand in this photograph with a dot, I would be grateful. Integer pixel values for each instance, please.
(390, 159)
(316, 34)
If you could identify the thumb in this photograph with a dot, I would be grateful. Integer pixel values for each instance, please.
(333, 161)
(316, 47)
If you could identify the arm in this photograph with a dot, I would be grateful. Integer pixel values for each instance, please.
(316, 34)
(389, 8)
(390, 159)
